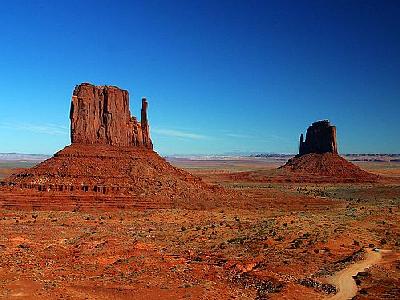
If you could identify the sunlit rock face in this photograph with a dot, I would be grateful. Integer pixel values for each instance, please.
(100, 115)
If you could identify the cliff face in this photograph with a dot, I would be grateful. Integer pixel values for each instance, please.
(100, 115)
(320, 138)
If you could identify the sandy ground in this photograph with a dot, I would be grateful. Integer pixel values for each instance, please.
(284, 242)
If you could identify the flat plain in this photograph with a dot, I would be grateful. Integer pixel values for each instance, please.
(284, 240)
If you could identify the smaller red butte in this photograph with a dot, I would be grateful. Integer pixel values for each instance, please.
(320, 138)
(318, 158)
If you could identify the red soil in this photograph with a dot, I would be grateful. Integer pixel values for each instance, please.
(283, 242)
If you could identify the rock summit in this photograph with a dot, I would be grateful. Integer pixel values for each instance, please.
(320, 138)
(100, 115)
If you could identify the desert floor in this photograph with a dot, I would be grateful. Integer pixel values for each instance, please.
(287, 241)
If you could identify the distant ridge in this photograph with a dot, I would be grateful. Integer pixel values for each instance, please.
(356, 157)
(23, 157)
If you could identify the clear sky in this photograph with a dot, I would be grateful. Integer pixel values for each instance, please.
(220, 76)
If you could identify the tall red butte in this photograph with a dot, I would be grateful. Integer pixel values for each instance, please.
(109, 164)
(100, 115)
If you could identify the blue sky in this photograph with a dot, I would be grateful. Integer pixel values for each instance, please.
(220, 76)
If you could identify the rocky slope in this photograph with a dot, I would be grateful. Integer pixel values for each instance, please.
(327, 165)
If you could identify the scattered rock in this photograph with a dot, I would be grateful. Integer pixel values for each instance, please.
(322, 287)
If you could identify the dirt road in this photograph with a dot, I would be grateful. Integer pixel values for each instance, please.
(343, 280)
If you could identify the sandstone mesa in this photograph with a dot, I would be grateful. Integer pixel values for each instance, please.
(109, 164)
(100, 115)
(318, 158)
(320, 138)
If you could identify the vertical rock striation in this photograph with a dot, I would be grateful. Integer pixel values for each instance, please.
(320, 138)
(100, 115)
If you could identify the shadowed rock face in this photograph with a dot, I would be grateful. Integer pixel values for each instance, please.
(320, 138)
(100, 115)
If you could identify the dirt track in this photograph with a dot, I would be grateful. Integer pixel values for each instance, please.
(344, 281)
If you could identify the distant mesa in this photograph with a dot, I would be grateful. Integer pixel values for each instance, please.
(109, 164)
(318, 158)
